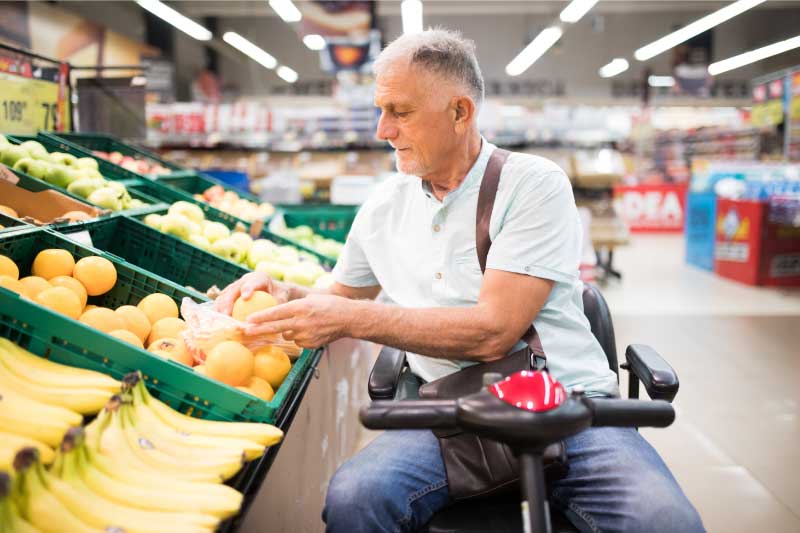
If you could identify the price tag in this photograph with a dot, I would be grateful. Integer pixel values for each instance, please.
(28, 105)
(82, 237)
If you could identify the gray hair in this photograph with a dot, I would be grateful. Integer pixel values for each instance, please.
(439, 50)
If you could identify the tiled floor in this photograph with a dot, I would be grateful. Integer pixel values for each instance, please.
(735, 446)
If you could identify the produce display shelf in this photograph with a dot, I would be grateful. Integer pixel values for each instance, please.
(108, 143)
(68, 341)
(329, 220)
(157, 252)
(35, 184)
(197, 183)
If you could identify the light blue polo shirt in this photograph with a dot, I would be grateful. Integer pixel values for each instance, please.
(422, 253)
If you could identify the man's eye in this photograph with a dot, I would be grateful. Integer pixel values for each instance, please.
(398, 114)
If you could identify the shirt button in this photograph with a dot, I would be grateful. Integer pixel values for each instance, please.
(437, 227)
(438, 275)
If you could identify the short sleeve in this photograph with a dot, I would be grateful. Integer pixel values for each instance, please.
(352, 268)
(540, 232)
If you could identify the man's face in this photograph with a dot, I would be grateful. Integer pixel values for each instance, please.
(415, 118)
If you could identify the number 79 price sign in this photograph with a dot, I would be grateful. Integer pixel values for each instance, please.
(28, 105)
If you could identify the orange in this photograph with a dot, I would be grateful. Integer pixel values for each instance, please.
(272, 365)
(135, 321)
(8, 267)
(174, 349)
(230, 363)
(246, 390)
(34, 285)
(13, 284)
(61, 300)
(260, 388)
(102, 318)
(157, 306)
(127, 336)
(72, 284)
(89, 307)
(97, 274)
(167, 327)
(53, 262)
(201, 369)
(8, 211)
(258, 301)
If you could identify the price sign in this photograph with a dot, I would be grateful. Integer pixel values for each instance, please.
(28, 105)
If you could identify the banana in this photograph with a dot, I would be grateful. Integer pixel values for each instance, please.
(19, 420)
(81, 400)
(10, 520)
(44, 372)
(39, 505)
(188, 468)
(261, 433)
(167, 439)
(99, 511)
(11, 443)
(30, 407)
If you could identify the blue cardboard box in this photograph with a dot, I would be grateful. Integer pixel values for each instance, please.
(701, 212)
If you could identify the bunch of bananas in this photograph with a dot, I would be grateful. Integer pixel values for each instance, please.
(40, 400)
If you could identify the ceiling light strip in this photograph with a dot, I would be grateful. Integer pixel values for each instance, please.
(249, 49)
(753, 55)
(411, 11)
(576, 10)
(617, 66)
(181, 22)
(535, 49)
(286, 10)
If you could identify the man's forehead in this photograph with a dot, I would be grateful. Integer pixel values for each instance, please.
(400, 83)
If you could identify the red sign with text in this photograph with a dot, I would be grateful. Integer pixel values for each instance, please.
(651, 208)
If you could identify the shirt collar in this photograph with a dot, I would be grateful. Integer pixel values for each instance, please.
(473, 177)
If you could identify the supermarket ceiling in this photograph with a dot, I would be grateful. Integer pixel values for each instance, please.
(260, 8)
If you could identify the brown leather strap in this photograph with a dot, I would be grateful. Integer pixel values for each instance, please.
(483, 217)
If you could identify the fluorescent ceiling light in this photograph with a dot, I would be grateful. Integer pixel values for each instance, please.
(287, 74)
(695, 28)
(411, 11)
(616, 66)
(753, 55)
(249, 49)
(535, 49)
(286, 10)
(576, 10)
(185, 24)
(314, 41)
(660, 81)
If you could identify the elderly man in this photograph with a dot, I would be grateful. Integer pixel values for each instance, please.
(415, 240)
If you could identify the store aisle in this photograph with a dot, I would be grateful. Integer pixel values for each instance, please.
(733, 446)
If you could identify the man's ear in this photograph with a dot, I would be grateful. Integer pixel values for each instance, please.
(462, 109)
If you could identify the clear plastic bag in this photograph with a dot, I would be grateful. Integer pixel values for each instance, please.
(208, 327)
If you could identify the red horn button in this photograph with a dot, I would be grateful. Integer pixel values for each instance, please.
(534, 391)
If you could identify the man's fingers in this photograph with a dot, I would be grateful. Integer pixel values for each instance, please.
(224, 302)
(270, 328)
(279, 312)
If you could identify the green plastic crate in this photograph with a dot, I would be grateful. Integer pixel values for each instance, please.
(68, 341)
(11, 224)
(30, 183)
(331, 221)
(197, 183)
(162, 254)
(109, 143)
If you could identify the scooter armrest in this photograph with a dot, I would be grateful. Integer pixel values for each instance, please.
(657, 376)
(385, 373)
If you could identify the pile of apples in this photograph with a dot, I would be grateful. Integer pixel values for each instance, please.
(187, 221)
(231, 203)
(79, 176)
(140, 166)
(305, 235)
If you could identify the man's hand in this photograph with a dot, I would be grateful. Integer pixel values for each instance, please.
(246, 286)
(310, 322)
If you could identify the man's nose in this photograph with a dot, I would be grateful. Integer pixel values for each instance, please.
(386, 129)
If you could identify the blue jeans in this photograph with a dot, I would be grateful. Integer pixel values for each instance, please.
(616, 482)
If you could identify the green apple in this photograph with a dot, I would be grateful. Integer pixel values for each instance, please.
(153, 220)
(60, 158)
(287, 255)
(83, 187)
(177, 225)
(302, 232)
(330, 248)
(107, 198)
(135, 203)
(261, 250)
(35, 149)
(229, 249)
(303, 273)
(214, 231)
(89, 172)
(199, 241)
(86, 162)
(61, 176)
(244, 240)
(3, 141)
(12, 153)
(195, 228)
(187, 209)
(32, 167)
(273, 270)
(306, 256)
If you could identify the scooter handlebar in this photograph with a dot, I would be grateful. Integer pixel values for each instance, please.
(417, 414)
(630, 413)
